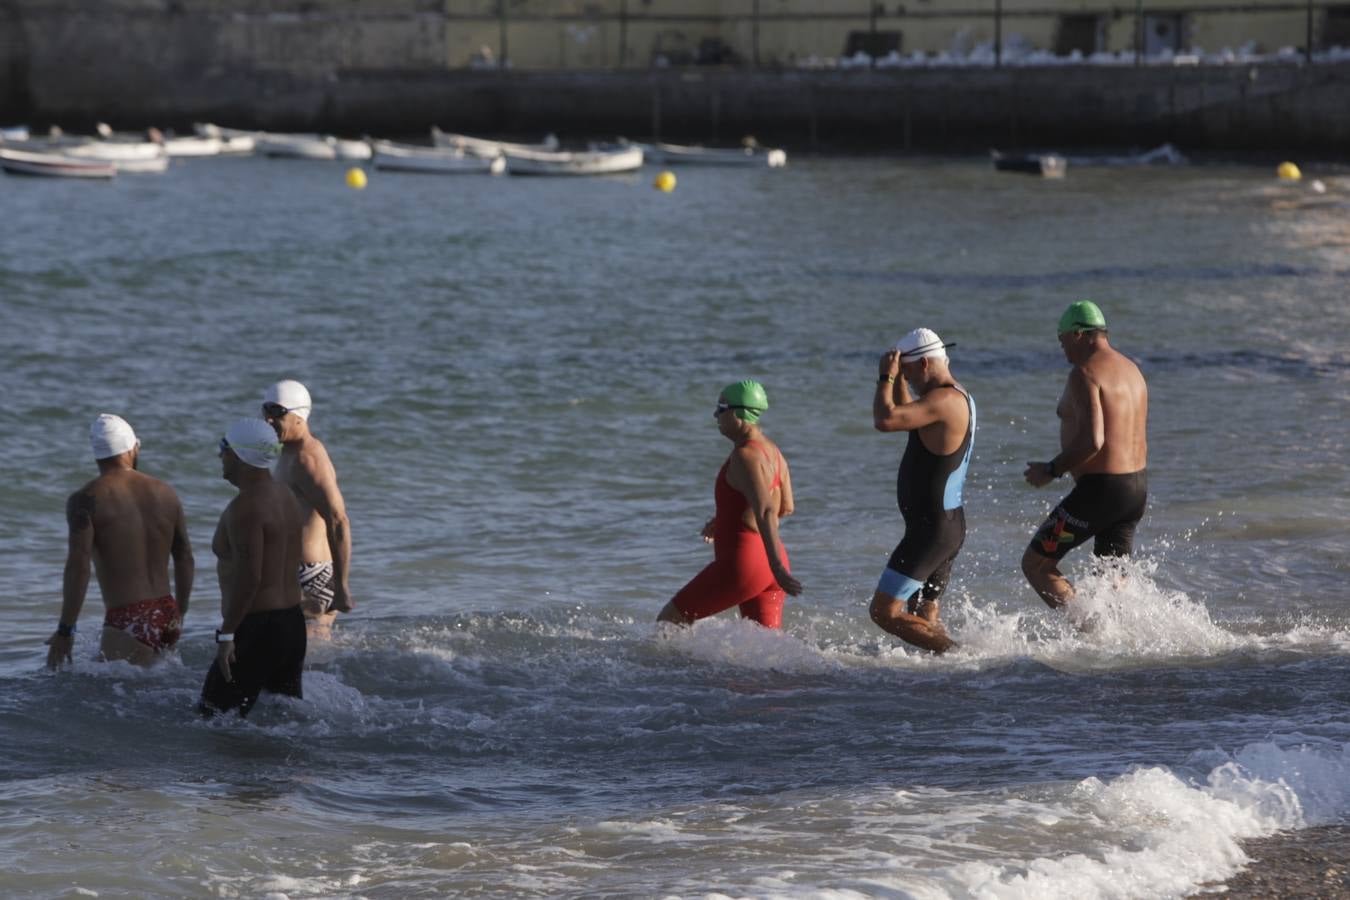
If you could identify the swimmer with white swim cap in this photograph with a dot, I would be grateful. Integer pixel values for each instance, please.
(261, 642)
(916, 393)
(307, 470)
(128, 525)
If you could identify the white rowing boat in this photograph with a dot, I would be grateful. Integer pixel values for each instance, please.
(155, 165)
(679, 154)
(487, 147)
(597, 161)
(14, 133)
(193, 146)
(26, 162)
(392, 157)
(310, 146)
(114, 151)
(233, 141)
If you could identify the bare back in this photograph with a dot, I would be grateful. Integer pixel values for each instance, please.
(259, 535)
(135, 519)
(762, 461)
(1107, 392)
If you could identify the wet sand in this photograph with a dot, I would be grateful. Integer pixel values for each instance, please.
(1311, 863)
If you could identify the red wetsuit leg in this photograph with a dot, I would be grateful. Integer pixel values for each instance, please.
(766, 608)
(738, 576)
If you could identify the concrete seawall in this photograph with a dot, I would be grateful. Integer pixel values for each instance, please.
(154, 67)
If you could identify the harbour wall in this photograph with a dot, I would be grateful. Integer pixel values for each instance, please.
(151, 66)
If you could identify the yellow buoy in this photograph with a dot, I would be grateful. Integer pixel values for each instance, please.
(665, 182)
(1288, 172)
(356, 179)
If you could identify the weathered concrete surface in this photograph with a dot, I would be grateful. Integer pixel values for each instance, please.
(160, 65)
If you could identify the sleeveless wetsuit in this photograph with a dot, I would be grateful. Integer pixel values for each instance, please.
(928, 492)
(739, 574)
(1104, 507)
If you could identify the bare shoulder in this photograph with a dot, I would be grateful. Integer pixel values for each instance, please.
(81, 506)
(312, 457)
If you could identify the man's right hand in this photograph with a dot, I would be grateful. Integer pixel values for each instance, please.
(60, 645)
(224, 657)
(889, 367)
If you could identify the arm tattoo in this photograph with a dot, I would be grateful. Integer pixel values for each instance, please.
(80, 511)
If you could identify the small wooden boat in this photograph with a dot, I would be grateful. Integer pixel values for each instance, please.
(598, 161)
(155, 165)
(233, 141)
(193, 146)
(487, 147)
(1047, 165)
(296, 146)
(114, 151)
(393, 157)
(678, 154)
(26, 162)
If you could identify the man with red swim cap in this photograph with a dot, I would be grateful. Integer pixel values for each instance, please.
(752, 492)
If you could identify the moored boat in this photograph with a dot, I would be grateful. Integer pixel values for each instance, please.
(154, 165)
(27, 162)
(114, 151)
(599, 161)
(393, 157)
(487, 147)
(192, 146)
(1047, 165)
(296, 146)
(14, 133)
(678, 154)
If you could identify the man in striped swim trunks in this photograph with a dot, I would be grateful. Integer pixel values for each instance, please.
(326, 543)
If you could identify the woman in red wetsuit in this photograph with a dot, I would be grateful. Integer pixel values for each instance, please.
(753, 491)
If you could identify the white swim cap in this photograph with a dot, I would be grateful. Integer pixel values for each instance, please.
(253, 441)
(921, 343)
(111, 436)
(290, 394)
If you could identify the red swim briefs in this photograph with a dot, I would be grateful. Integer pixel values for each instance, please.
(155, 623)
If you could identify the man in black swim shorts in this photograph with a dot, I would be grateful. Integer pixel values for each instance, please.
(1103, 415)
(261, 643)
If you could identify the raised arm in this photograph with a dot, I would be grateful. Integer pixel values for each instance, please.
(893, 407)
(750, 473)
(75, 578)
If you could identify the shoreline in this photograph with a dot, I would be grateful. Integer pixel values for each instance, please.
(1308, 863)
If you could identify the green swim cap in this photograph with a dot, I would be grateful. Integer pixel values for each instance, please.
(1082, 316)
(749, 399)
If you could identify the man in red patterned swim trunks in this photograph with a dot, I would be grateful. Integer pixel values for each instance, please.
(128, 525)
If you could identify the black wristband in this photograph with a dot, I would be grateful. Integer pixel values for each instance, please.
(1051, 466)
(885, 379)
(64, 630)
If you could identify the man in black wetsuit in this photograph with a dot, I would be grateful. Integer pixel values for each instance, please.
(1103, 423)
(940, 419)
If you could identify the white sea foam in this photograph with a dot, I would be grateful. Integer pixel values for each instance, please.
(1170, 836)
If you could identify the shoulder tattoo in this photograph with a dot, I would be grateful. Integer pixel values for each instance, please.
(80, 511)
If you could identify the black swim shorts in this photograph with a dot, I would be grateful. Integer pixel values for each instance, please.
(269, 652)
(1104, 507)
(924, 557)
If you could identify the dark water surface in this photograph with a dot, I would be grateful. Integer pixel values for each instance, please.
(515, 379)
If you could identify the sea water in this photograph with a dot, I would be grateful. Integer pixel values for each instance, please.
(515, 379)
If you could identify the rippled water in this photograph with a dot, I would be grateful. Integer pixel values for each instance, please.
(515, 379)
